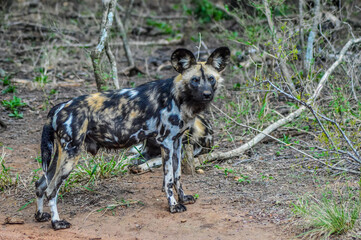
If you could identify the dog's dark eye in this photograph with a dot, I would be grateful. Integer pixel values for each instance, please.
(211, 79)
(195, 81)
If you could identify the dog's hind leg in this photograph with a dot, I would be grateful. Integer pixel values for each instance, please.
(41, 186)
(47, 147)
(67, 159)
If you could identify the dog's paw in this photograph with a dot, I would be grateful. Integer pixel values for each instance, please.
(60, 224)
(42, 216)
(187, 199)
(177, 208)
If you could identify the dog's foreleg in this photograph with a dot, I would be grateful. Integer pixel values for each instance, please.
(174, 207)
(56, 223)
(177, 157)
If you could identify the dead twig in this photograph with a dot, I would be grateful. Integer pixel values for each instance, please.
(312, 35)
(124, 37)
(282, 61)
(107, 21)
(114, 65)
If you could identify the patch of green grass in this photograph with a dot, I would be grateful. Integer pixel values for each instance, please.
(165, 28)
(26, 205)
(121, 203)
(6, 180)
(205, 11)
(90, 170)
(42, 78)
(334, 214)
(13, 106)
(236, 175)
(7, 83)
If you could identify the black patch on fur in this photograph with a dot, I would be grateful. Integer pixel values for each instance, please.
(174, 119)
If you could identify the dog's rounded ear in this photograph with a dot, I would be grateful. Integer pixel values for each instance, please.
(182, 59)
(219, 58)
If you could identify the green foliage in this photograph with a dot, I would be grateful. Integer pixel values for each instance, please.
(7, 83)
(6, 180)
(16, 114)
(265, 177)
(205, 11)
(236, 175)
(164, 27)
(6, 80)
(13, 106)
(121, 203)
(335, 213)
(42, 78)
(339, 103)
(26, 205)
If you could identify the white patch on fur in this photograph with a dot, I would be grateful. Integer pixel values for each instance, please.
(40, 203)
(54, 209)
(123, 91)
(67, 146)
(217, 61)
(133, 93)
(68, 125)
(56, 115)
(136, 148)
(185, 62)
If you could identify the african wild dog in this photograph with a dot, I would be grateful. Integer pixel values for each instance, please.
(200, 135)
(162, 110)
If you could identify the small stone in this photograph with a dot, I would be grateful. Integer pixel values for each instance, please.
(200, 171)
(13, 220)
(2, 72)
(183, 221)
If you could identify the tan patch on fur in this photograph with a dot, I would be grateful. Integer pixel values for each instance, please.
(60, 157)
(133, 114)
(199, 127)
(84, 127)
(178, 78)
(96, 101)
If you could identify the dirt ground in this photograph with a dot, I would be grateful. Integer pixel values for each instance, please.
(258, 208)
(226, 209)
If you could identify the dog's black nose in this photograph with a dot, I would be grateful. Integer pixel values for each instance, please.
(207, 95)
